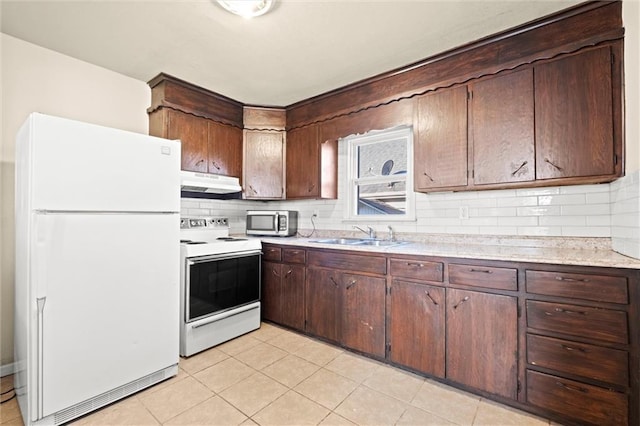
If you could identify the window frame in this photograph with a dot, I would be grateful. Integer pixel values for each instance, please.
(353, 142)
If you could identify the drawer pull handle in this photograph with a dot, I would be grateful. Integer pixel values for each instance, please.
(571, 349)
(484, 271)
(275, 273)
(460, 302)
(519, 168)
(575, 280)
(417, 265)
(333, 281)
(573, 388)
(570, 312)
(288, 272)
(428, 177)
(351, 284)
(546, 160)
(431, 298)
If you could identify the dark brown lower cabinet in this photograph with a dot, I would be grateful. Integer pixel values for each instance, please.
(363, 313)
(283, 294)
(482, 341)
(571, 354)
(322, 296)
(347, 308)
(590, 404)
(417, 327)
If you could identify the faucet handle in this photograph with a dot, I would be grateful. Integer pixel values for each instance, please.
(392, 236)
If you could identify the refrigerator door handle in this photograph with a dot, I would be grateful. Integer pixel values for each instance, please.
(40, 355)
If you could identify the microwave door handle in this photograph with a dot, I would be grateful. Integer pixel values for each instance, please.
(276, 219)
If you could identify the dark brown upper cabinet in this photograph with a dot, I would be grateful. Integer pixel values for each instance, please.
(575, 134)
(208, 125)
(264, 152)
(312, 164)
(440, 146)
(224, 149)
(501, 129)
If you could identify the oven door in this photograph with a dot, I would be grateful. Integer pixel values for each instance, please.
(217, 283)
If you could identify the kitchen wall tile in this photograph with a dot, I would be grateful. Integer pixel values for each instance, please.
(540, 231)
(586, 231)
(599, 211)
(518, 221)
(550, 200)
(537, 191)
(538, 211)
(517, 201)
(563, 221)
(587, 209)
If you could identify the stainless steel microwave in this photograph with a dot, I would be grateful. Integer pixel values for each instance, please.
(280, 223)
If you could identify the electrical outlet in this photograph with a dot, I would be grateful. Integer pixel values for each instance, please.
(464, 212)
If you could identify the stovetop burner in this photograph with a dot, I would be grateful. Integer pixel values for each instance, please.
(231, 239)
(192, 242)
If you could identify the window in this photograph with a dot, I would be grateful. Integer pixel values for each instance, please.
(380, 176)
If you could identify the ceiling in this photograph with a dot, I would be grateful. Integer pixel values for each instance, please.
(300, 49)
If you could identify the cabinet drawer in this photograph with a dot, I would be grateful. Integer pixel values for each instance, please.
(291, 255)
(416, 269)
(596, 323)
(484, 276)
(594, 362)
(587, 403)
(349, 262)
(600, 288)
(271, 253)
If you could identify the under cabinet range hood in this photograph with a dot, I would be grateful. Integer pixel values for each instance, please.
(208, 183)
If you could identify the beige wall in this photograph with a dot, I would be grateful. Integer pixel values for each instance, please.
(37, 79)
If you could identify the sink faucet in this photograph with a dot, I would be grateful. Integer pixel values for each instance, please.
(370, 231)
(392, 235)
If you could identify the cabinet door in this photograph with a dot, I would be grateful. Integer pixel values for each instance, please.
(363, 320)
(440, 152)
(293, 296)
(303, 161)
(574, 120)
(322, 292)
(263, 164)
(192, 132)
(417, 327)
(225, 149)
(502, 128)
(482, 341)
(270, 297)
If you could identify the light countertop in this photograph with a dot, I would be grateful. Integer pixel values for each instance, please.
(563, 251)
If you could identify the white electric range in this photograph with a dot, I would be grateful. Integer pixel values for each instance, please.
(220, 279)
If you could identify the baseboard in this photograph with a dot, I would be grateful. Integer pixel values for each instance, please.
(7, 369)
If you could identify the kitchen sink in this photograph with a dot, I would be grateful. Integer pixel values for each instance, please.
(343, 241)
(360, 242)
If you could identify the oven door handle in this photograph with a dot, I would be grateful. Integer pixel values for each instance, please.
(222, 256)
(234, 312)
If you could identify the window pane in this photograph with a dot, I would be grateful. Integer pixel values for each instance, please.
(382, 198)
(382, 158)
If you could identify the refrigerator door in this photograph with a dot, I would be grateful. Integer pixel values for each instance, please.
(83, 167)
(108, 288)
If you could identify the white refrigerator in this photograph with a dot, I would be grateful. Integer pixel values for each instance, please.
(97, 266)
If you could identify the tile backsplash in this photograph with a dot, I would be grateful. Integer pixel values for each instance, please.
(609, 211)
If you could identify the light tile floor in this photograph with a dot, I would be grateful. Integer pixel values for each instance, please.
(276, 377)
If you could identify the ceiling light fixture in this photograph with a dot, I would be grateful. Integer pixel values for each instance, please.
(247, 8)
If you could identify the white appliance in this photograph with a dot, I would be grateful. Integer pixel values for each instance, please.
(209, 183)
(97, 277)
(220, 280)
